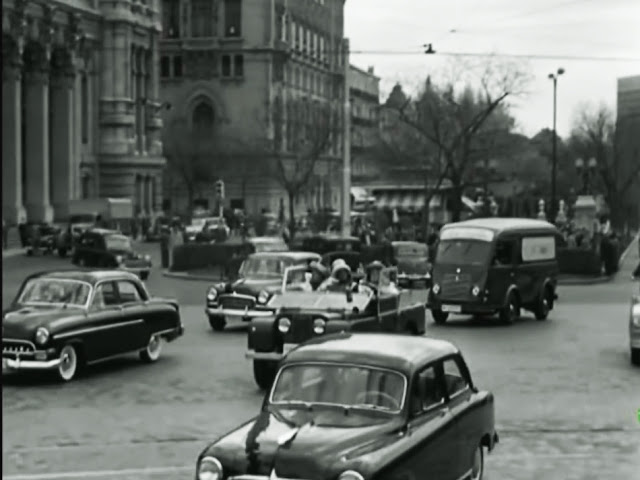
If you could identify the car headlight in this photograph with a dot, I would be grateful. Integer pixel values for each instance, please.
(212, 294)
(263, 296)
(436, 289)
(350, 475)
(284, 325)
(635, 315)
(210, 468)
(42, 336)
(147, 258)
(319, 325)
(119, 259)
(475, 291)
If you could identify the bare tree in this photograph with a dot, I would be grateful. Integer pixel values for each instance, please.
(452, 116)
(596, 135)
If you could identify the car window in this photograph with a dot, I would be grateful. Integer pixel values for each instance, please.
(453, 377)
(504, 252)
(128, 292)
(87, 241)
(427, 391)
(105, 296)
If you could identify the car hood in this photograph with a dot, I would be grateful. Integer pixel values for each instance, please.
(21, 322)
(253, 286)
(413, 265)
(318, 449)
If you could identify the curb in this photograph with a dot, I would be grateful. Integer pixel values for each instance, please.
(13, 252)
(575, 281)
(188, 276)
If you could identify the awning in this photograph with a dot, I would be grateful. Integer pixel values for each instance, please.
(400, 200)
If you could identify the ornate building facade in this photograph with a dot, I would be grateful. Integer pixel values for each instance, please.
(80, 105)
(628, 126)
(235, 73)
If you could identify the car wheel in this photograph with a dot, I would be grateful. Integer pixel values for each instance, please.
(439, 316)
(544, 305)
(635, 356)
(264, 373)
(511, 312)
(144, 275)
(477, 468)
(217, 322)
(153, 350)
(69, 360)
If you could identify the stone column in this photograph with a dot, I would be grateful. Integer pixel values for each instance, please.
(63, 161)
(13, 211)
(134, 97)
(154, 119)
(141, 100)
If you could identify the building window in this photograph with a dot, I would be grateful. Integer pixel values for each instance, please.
(202, 119)
(165, 67)
(300, 40)
(238, 66)
(84, 86)
(171, 18)
(233, 18)
(177, 66)
(226, 66)
(294, 34)
(201, 18)
(284, 27)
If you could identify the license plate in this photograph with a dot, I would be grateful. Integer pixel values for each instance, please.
(451, 308)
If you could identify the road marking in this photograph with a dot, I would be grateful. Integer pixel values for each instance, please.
(98, 473)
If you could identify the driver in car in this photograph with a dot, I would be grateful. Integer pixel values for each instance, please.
(318, 274)
(340, 280)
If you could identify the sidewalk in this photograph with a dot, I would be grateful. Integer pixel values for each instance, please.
(13, 252)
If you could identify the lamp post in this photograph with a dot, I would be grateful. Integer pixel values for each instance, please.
(585, 172)
(554, 158)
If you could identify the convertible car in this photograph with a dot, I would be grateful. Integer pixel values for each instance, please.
(63, 320)
(260, 277)
(634, 328)
(298, 316)
(363, 406)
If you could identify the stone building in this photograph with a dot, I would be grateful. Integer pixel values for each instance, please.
(80, 105)
(628, 126)
(242, 77)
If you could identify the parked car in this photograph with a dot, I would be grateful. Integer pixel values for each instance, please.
(634, 328)
(412, 260)
(363, 406)
(61, 321)
(298, 316)
(109, 249)
(260, 277)
(495, 265)
(268, 244)
(214, 230)
(329, 243)
(75, 227)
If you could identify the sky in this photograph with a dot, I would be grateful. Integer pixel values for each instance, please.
(388, 35)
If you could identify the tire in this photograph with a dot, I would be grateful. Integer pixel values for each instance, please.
(544, 305)
(477, 467)
(217, 322)
(69, 363)
(511, 312)
(635, 356)
(144, 275)
(264, 373)
(439, 316)
(153, 349)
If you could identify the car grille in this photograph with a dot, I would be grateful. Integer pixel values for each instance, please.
(237, 302)
(455, 287)
(301, 329)
(17, 348)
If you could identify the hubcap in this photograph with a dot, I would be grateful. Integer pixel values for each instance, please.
(154, 347)
(68, 363)
(477, 465)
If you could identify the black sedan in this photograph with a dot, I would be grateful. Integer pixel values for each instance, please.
(362, 407)
(63, 320)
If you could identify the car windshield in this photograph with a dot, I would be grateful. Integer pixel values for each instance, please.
(85, 218)
(43, 291)
(340, 384)
(463, 252)
(264, 267)
(270, 247)
(413, 250)
(198, 222)
(117, 242)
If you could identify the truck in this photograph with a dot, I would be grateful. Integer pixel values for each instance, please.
(115, 213)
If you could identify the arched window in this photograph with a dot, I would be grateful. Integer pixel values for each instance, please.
(203, 118)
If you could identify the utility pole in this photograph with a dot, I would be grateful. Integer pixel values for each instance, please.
(554, 157)
(346, 147)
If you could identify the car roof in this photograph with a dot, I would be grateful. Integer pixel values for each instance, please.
(266, 240)
(89, 276)
(400, 243)
(403, 353)
(333, 237)
(104, 231)
(504, 224)
(286, 254)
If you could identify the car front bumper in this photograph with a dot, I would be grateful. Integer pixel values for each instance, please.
(18, 364)
(275, 356)
(414, 277)
(246, 314)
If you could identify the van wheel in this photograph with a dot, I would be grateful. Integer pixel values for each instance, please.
(511, 312)
(439, 316)
(544, 305)
(217, 322)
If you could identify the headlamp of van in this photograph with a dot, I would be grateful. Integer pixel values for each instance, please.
(263, 296)
(350, 475)
(42, 336)
(284, 325)
(475, 291)
(436, 289)
(210, 468)
(212, 294)
(319, 325)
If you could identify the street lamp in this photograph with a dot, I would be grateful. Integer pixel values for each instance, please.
(585, 172)
(554, 158)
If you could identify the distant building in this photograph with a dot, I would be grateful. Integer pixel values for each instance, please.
(364, 92)
(628, 127)
(80, 106)
(238, 74)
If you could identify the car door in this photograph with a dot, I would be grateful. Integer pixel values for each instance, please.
(134, 334)
(525, 271)
(105, 320)
(459, 402)
(502, 272)
(388, 300)
(432, 433)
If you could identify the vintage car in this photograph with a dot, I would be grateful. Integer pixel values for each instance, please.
(495, 265)
(259, 278)
(109, 249)
(298, 315)
(63, 320)
(363, 406)
(412, 260)
(634, 328)
(214, 230)
(329, 243)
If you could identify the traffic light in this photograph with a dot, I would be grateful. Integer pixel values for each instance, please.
(220, 189)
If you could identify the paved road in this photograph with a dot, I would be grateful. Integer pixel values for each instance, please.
(566, 394)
